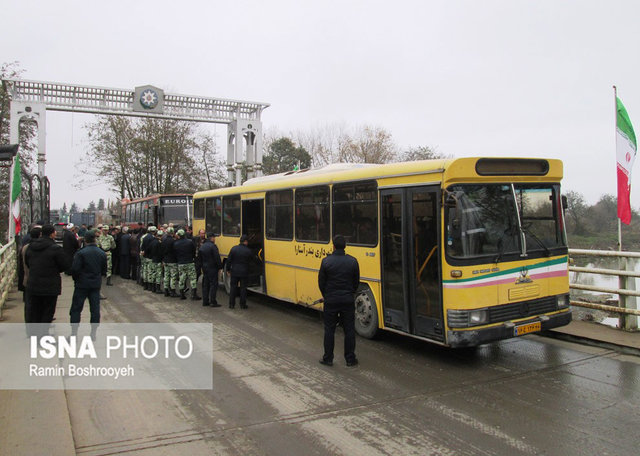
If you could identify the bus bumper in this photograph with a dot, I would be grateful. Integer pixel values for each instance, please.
(473, 337)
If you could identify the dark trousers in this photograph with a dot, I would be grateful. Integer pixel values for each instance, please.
(209, 286)
(40, 309)
(124, 266)
(345, 314)
(77, 304)
(234, 291)
(133, 261)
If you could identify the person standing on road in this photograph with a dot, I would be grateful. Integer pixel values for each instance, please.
(70, 243)
(45, 260)
(154, 252)
(89, 265)
(338, 280)
(145, 260)
(170, 264)
(239, 258)
(211, 265)
(107, 243)
(123, 252)
(185, 252)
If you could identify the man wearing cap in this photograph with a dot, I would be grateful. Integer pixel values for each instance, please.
(185, 253)
(170, 264)
(239, 258)
(211, 265)
(145, 260)
(154, 253)
(70, 243)
(107, 243)
(124, 254)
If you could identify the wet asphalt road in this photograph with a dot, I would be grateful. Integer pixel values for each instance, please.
(532, 395)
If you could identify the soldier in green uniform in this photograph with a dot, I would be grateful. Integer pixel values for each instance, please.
(145, 259)
(107, 243)
(170, 264)
(185, 255)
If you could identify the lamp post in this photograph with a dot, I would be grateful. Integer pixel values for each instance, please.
(7, 160)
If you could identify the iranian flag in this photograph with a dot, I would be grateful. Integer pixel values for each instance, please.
(15, 195)
(625, 155)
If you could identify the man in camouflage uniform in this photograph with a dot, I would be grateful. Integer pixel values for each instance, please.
(170, 264)
(107, 243)
(154, 253)
(185, 255)
(145, 259)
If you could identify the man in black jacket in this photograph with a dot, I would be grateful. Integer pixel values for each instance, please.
(124, 253)
(170, 264)
(239, 258)
(45, 260)
(338, 280)
(70, 243)
(89, 265)
(185, 252)
(211, 265)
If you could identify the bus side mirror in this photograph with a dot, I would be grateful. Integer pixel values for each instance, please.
(565, 204)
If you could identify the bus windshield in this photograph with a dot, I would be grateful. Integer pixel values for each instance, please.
(503, 220)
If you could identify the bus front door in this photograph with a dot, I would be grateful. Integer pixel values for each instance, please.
(411, 261)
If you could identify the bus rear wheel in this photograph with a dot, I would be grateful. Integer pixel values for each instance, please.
(366, 314)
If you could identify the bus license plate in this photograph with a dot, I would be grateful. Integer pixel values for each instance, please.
(526, 329)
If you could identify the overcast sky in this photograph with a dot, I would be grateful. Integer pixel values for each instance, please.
(486, 78)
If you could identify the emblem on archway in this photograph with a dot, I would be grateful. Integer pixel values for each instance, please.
(148, 99)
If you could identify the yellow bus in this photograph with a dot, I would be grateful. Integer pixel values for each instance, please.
(458, 252)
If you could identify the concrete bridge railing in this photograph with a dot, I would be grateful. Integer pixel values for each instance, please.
(626, 291)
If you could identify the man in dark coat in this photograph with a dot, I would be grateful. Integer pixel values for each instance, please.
(89, 265)
(70, 243)
(45, 260)
(239, 258)
(338, 280)
(211, 265)
(124, 253)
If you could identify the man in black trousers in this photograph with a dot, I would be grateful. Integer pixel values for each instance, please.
(211, 265)
(239, 258)
(89, 265)
(338, 280)
(45, 260)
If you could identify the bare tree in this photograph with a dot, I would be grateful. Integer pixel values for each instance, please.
(421, 153)
(368, 145)
(141, 157)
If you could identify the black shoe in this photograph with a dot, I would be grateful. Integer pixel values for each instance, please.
(182, 296)
(159, 289)
(174, 294)
(352, 363)
(244, 306)
(166, 292)
(325, 362)
(205, 305)
(215, 304)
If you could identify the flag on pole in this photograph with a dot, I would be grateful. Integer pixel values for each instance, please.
(15, 194)
(625, 155)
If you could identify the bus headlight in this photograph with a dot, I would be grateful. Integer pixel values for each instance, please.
(563, 301)
(478, 317)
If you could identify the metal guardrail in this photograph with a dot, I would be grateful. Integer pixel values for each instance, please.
(626, 287)
(8, 271)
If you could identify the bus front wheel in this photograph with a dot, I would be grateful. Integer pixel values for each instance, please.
(366, 314)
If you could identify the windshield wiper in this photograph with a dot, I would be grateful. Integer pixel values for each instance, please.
(538, 241)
